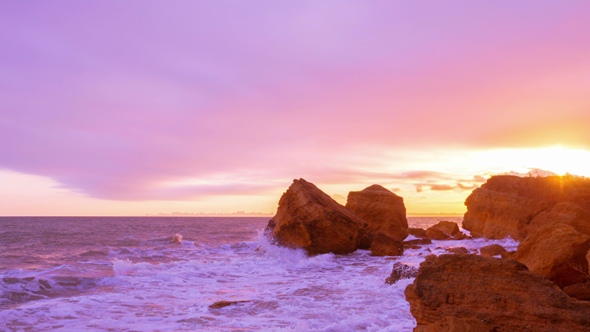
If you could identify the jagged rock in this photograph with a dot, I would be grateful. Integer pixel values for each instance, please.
(401, 271)
(492, 250)
(506, 205)
(383, 213)
(383, 245)
(444, 230)
(557, 251)
(417, 232)
(310, 219)
(502, 294)
(454, 324)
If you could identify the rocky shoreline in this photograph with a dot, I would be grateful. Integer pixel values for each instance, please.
(543, 286)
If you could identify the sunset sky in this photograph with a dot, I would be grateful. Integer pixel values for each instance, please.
(142, 107)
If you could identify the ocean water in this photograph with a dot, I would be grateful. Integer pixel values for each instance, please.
(125, 274)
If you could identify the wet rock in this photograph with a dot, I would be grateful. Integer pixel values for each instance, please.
(454, 324)
(416, 243)
(458, 250)
(557, 251)
(308, 218)
(506, 205)
(223, 304)
(383, 213)
(401, 271)
(502, 294)
(492, 250)
(444, 230)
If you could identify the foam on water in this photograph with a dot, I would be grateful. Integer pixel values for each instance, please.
(158, 285)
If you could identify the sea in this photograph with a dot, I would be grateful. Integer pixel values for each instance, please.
(126, 274)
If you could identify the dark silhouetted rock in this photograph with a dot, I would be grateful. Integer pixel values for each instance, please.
(310, 219)
(383, 213)
(506, 205)
(492, 250)
(401, 271)
(502, 294)
(557, 251)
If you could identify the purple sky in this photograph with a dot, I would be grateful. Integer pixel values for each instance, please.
(176, 101)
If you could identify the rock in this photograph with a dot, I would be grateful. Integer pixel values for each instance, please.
(382, 211)
(401, 271)
(492, 250)
(308, 218)
(222, 304)
(458, 250)
(454, 324)
(416, 243)
(505, 205)
(565, 213)
(502, 294)
(580, 291)
(383, 245)
(557, 251)
(177, 238)
(417, 232)
(443, 230)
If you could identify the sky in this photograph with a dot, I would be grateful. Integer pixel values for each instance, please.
(148, 107)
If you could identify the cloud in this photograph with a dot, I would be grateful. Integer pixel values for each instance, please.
(441, 187)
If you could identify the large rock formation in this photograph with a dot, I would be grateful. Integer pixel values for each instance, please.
(557, 251)
(310, 219)
(502, 294)
(506, 205)
(384, 214)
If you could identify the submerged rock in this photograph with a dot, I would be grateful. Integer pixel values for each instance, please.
(507, 205)
(383, 213)
(308, 218)
(502, 294)
(401, 271)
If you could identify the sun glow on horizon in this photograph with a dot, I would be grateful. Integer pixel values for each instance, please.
(557, 159)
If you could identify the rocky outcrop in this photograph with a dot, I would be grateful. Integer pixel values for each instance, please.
(444, 230)
(417, 232)
(557, 251)
(401, 271)
(506, 205)
(310, 219)
(502, 294)
(384, 214)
